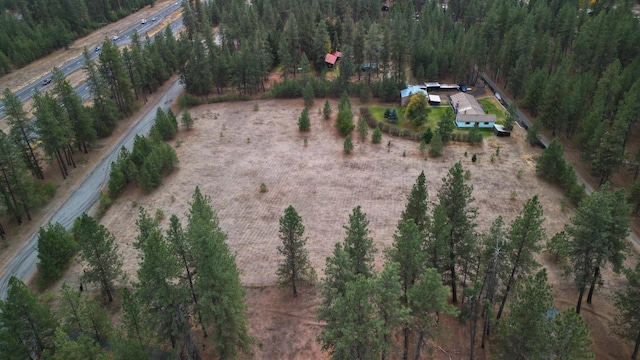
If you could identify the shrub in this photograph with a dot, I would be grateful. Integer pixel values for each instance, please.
(348, 144)
(187, 100)
(304, 123)
(474, 158)
(159, 215)
(263, 188)
(256, 107)
(387, 112)
(376, 136)
(104, 204)
(287, 88)
(187, 120)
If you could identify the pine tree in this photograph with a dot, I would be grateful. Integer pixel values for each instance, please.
(187, 120)
(79, 117)
(417, 205)
(326, 110)
(359, 244)
(455, 197)
(100, 252)
(388, 300)
(353, 329)
(569, 336)
(217, 280)
(526, 236)
(436, 146)
(363, 129)
(626, 323)
(21, 129)
(406, 251)
(348, 145)
(161, 298)
(597, 232)
(304, 123)
(428, 299)
(376, 136)
(344, 121)
(114, 74)
(295, 266)
(523, 334)
(26, 326)
(446, 125)
(550, 163)
(55, 248)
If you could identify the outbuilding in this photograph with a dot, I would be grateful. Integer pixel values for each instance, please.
(406, 94)
(332, 58)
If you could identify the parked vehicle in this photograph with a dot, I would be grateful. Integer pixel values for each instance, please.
(46, 82)
(115, 38)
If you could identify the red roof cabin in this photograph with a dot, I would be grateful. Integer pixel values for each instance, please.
(332, 58)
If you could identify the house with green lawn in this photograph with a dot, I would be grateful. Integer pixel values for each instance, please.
(470, 112)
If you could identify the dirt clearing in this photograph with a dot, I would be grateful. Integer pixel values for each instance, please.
(233, 149)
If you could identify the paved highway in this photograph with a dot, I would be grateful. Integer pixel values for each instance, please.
(23, 265)
(76, 64)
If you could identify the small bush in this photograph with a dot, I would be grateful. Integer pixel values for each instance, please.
(104, 204)
(306, 142)
(256, 107)
(519, 173)
(263, 188)
(467, 174)
(474, 158)
(387, 112)
(514, 196)
(159, 215)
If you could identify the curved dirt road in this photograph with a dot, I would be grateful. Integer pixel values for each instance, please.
(23, 265)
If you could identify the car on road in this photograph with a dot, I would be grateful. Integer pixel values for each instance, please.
(115, 38)
(144, 21)
(46, 82)
(97, 49)
(153, 19)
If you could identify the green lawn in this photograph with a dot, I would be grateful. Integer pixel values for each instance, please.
(492, 106)
(435, 114)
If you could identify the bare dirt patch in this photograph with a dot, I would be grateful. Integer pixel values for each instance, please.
(233, 149)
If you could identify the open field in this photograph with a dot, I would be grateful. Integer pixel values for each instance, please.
(233, 149)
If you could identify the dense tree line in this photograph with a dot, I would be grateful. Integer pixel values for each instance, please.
(31, 29)
(575, 69)
(186, 275)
